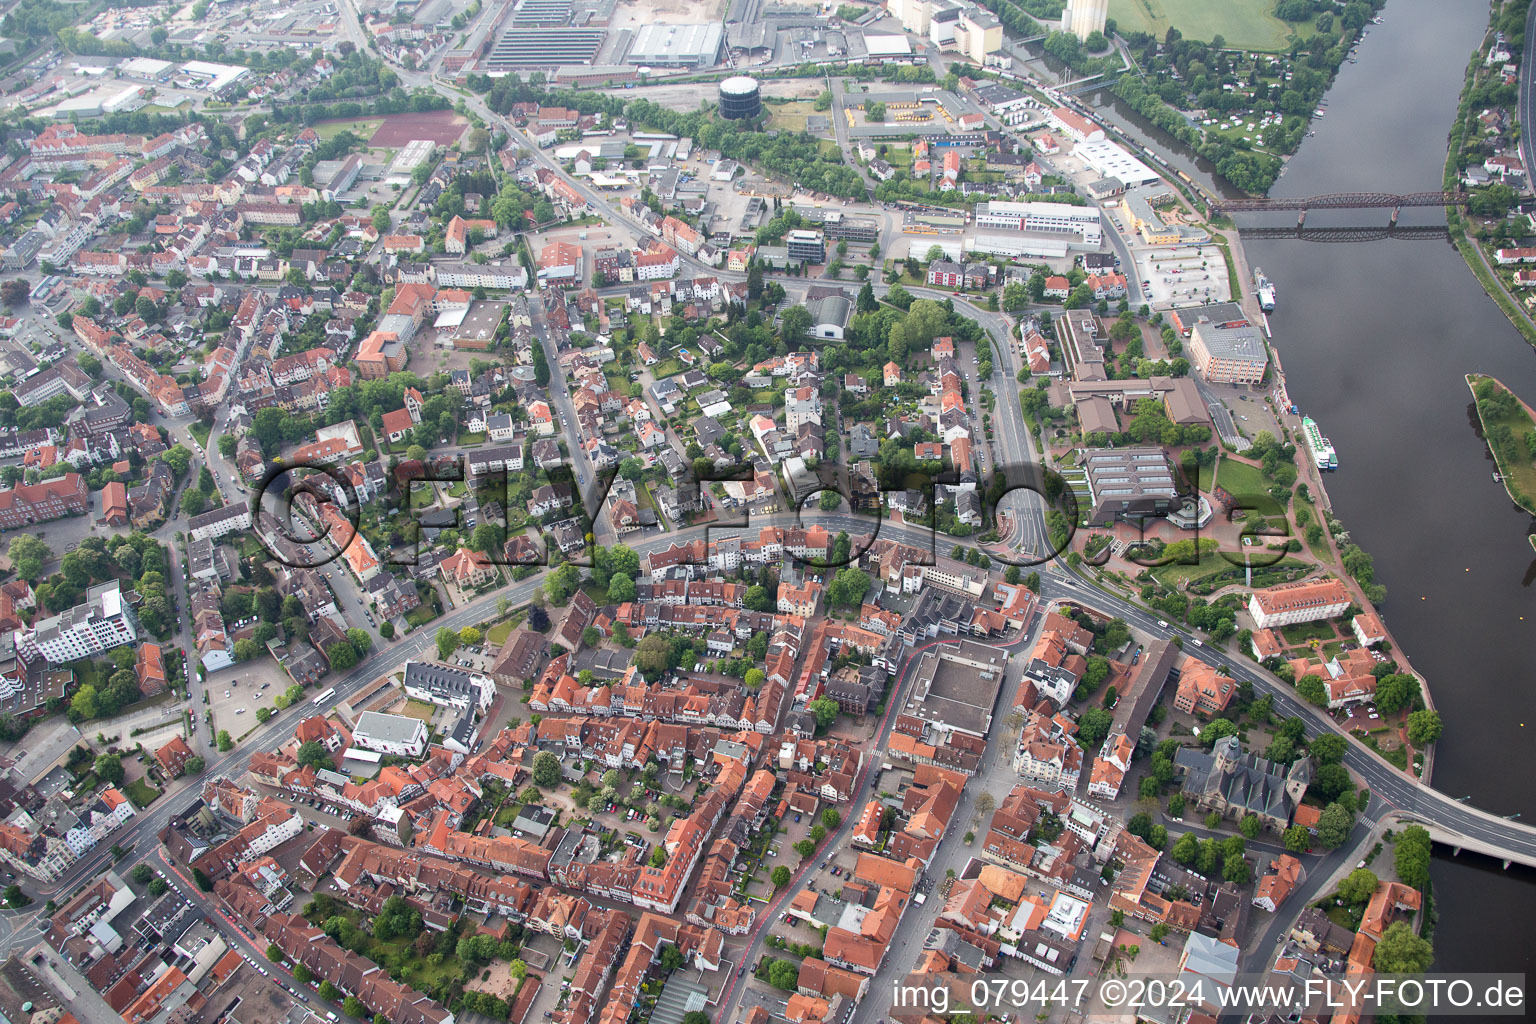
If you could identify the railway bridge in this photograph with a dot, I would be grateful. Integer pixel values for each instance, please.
(1342, 201)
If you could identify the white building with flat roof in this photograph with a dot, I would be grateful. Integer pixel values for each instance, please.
(390, 734)
(1114, 161)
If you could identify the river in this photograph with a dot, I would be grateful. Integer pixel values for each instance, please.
(1374, 338)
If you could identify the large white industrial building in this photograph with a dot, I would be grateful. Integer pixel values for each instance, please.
(1078, 226)
(1113, 161)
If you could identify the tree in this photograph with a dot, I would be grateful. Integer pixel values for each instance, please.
(621, 589)
(1402, 951)
(805, 848)
(1187, 850)
(226, 743)
(848, 587)
(1358, 885)
(826, 711)
(1424, 727)
(158, 887)
(14, 897)
(653, 656)
(274, 954)
(353, 1007)
(142, 873)
(1328, 748)
(1332, 781)
(793, 323)
(1250, 826)
(1297, 839)
(342, 656)
(179, 458)
(831, 818)
(27, 554)
(1333, 826)
(447, 643)
(1312, 690)
(1396, 691)
(193, 766)
(1217, 729)
(313, 753)
(1236, 869)
(109, 767)
(1410, 856)
(262, 714)
(784, 974)
(546, 770)
(1092, 726)
(302, 975)
(15, 291)
(330, 993)
(780, 877)
(245, 650)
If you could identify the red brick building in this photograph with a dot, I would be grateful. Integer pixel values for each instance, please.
(40, 503)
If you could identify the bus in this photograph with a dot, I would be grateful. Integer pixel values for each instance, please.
(323, 698)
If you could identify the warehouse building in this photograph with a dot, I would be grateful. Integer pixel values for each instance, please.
(676, 46)
(543, 47)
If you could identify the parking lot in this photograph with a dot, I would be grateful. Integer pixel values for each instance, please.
(1179, 276)
(235, 693)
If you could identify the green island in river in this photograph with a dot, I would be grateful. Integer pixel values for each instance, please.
(1510, 430)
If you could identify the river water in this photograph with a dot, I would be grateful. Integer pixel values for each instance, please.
(1374, 337)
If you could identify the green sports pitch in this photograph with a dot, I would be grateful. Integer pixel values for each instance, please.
(1248, 24)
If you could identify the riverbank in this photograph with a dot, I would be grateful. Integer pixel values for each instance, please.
(1508, 425)
(1468, 127)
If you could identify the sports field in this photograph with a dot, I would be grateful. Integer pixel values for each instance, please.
(1248, 24)
(441, 126)
(361, 127)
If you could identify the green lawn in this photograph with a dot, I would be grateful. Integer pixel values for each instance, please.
(1249, 24)
(1247, 484)
(497, 634)
(363, 128)
(420, 615)
(418, 710)
(1174, 574)
(1304, 631)
(790, 117)
(142, 793)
